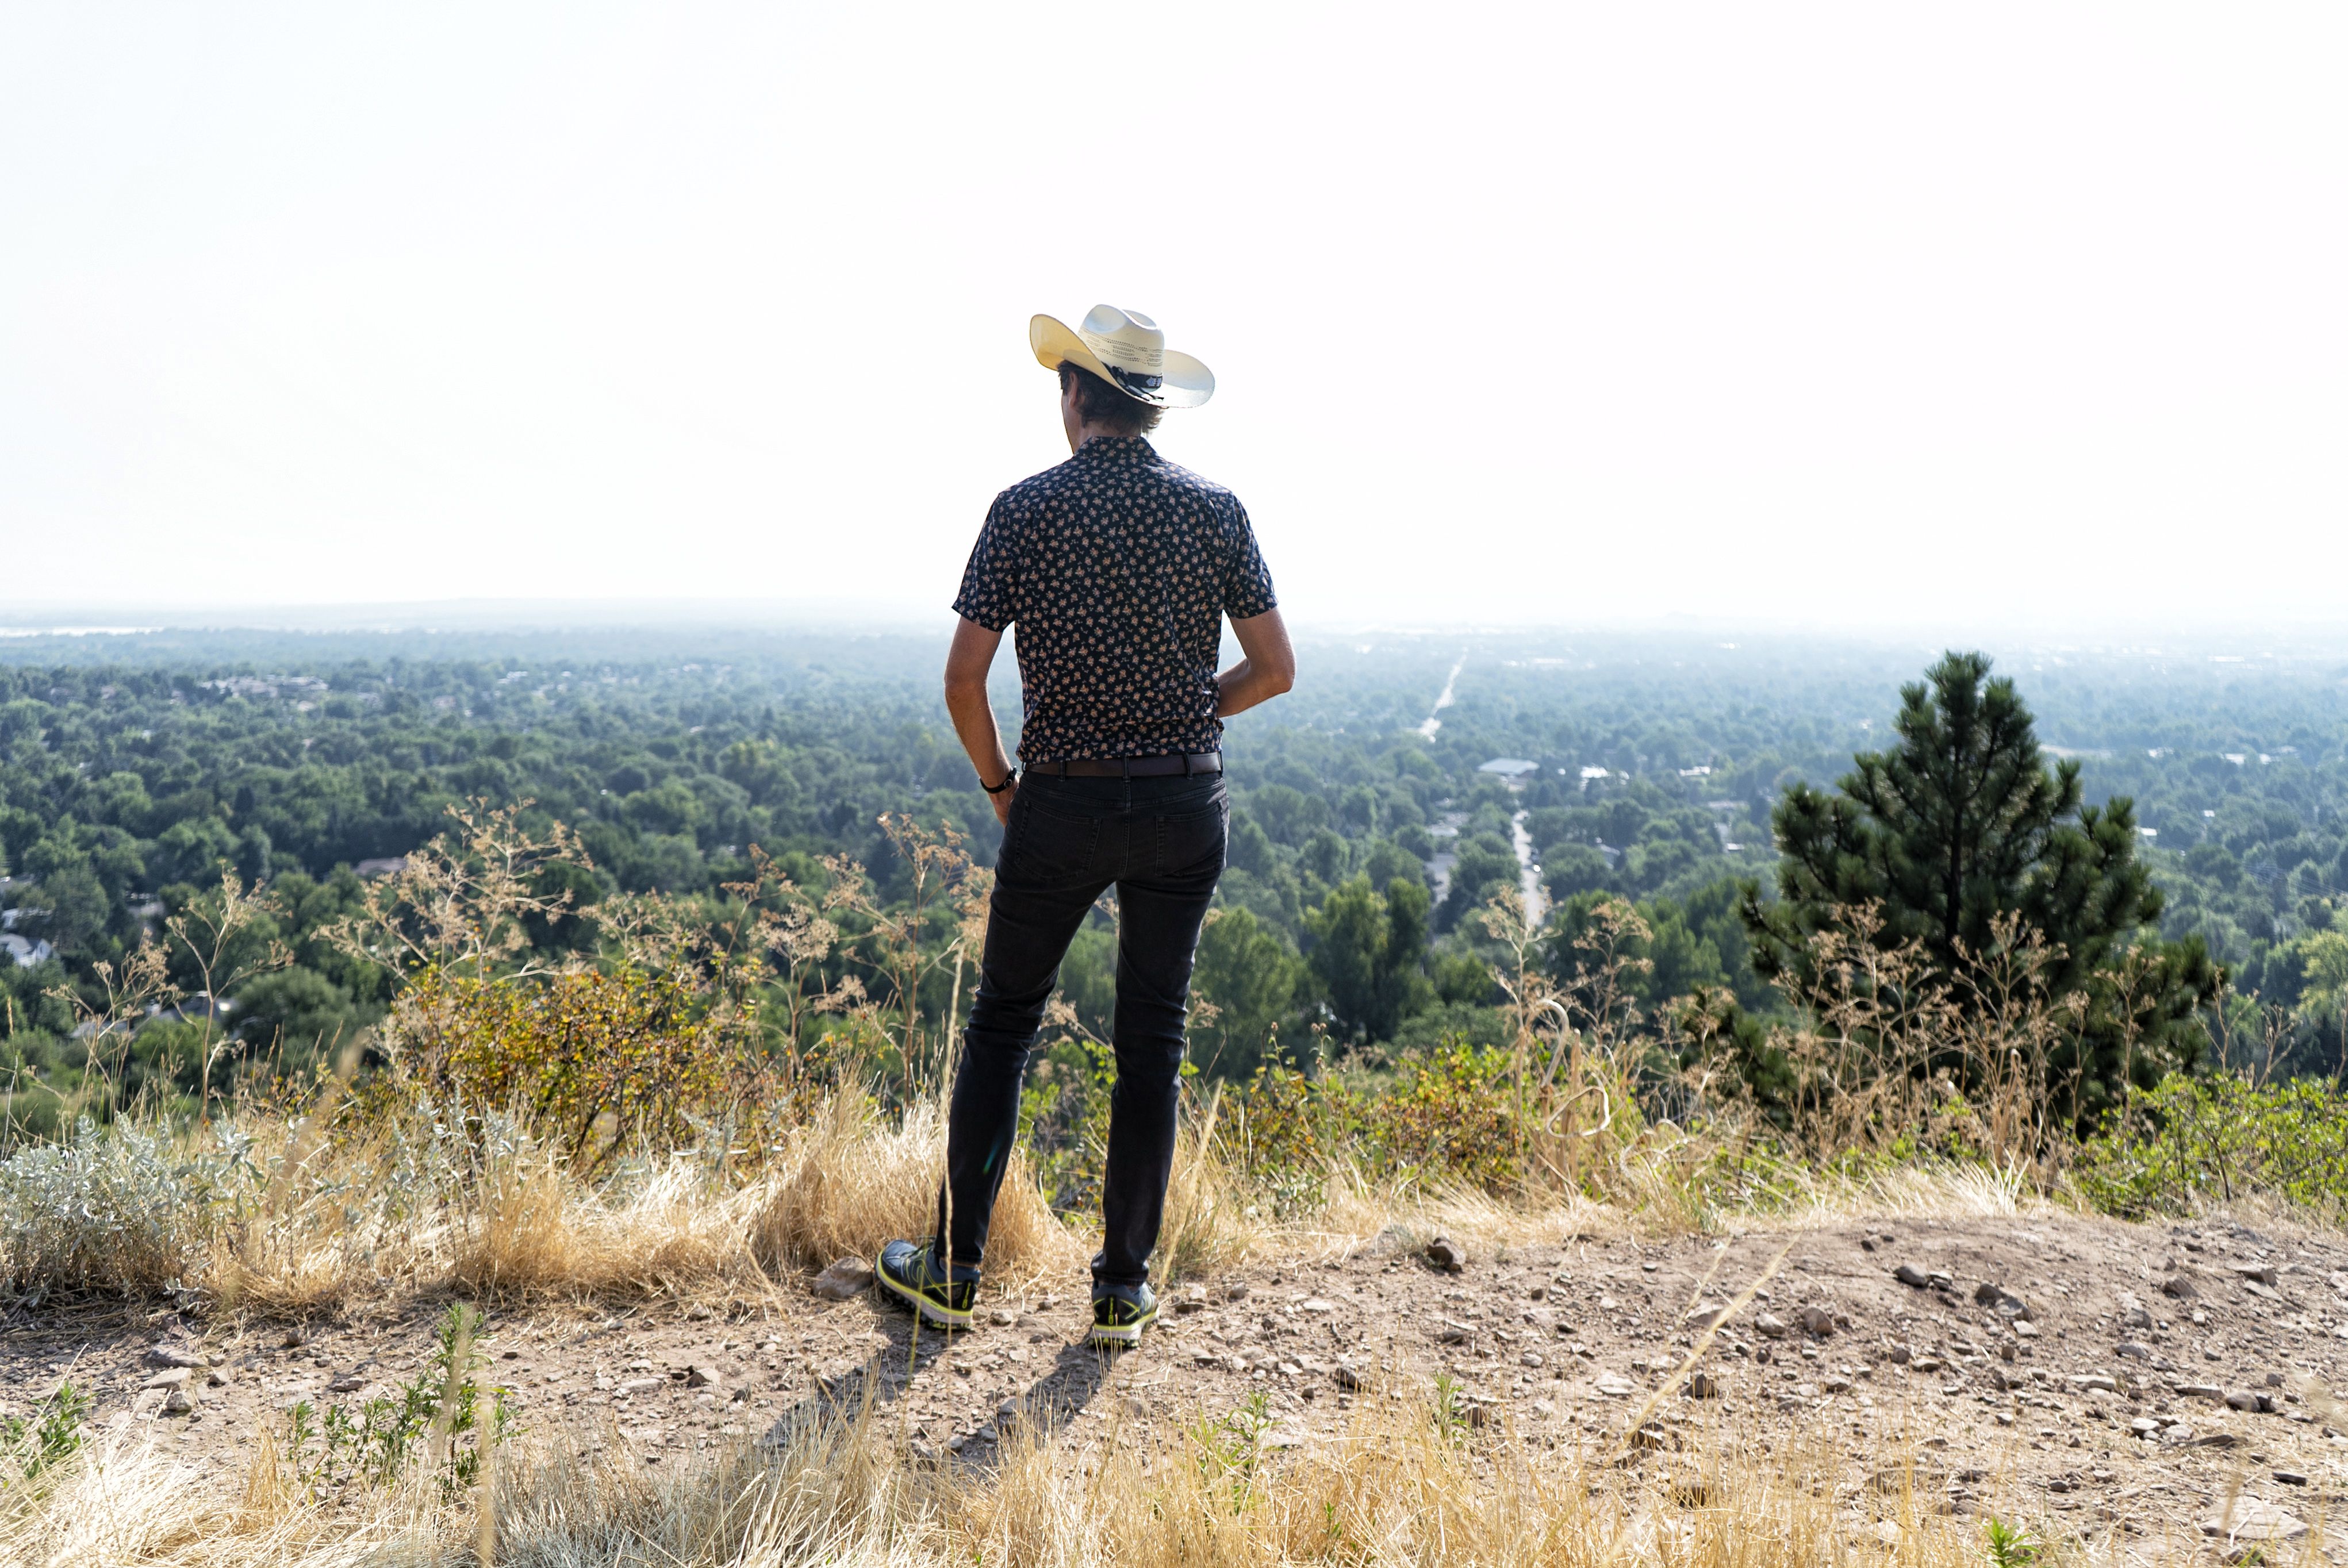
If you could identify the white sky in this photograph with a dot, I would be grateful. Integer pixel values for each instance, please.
(1859, 315)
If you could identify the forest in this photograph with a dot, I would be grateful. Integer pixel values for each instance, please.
(1377, 811)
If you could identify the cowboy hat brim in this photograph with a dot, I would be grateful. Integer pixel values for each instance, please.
(1184, 384)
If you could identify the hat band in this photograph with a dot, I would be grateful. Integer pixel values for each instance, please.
(1133, 381)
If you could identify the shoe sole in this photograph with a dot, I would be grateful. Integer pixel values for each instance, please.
(927, 1310)
(1123, 1333)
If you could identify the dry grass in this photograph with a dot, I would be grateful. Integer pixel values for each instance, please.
(849, 1181)
(1399, 1487)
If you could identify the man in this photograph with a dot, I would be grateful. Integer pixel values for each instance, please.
(1118, 568)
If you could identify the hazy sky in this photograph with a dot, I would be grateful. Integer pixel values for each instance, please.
(1848, 314)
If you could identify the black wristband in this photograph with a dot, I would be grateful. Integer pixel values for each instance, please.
(1008, 779)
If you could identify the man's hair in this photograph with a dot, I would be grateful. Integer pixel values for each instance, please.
(1099, 403)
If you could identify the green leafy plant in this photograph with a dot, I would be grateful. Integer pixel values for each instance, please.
(438, 1416)
(2011, 1545)
(1227, 1450)
(50, 1434)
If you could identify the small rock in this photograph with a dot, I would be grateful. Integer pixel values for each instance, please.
(1319, 1307)
(1236, 1290)
(295, 1337)
(2132, 1350)
(2137, 1317)
(1351, 1380)
(2217, 1441)
(1887, 1531)
(180, 1403)
(1866, 1244)
(1192, 1299)
(2274, 1379)
(1615, 1386)
(1769, 1326)
(1701, 1386)
(1652, 1439)
(171, 1377)
(2177, 1436)
(1835, 1385)
(2264, 1273)
(2091, 1380)
(2177, 1288)
(2197, 1391)
(1907, 1274)
(1452, 1332)
(703, 1377)
(2144, 1426)
(1447, 1254)
(1899, 1354)
(845, 1279)
(349, 1383)
(2026, 1329)
(2248, 1519)
(2243, 1399)
(1816, 1322)
(2290, 1478)
(1529, 1358)
(1003, 1318)
(172, 1355)
(700, 1312)
(641, 1385)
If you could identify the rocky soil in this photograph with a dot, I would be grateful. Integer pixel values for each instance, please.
(2121, 1382)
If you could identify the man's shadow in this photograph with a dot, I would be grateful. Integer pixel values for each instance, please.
(863, 1395)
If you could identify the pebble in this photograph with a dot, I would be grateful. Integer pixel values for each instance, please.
(1701, 1386)
(1003, 1318)
(172, 1355)
(1816, 1322)
(1447, 1254)
(1769, 1326)
(179, 1403)
(2132, 1350)
(1192, 1299)
(1907, 1274)
(845, 1279)
(703, 1377)
(2177, 1288)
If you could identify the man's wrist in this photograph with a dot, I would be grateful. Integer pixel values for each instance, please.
(1008, 779)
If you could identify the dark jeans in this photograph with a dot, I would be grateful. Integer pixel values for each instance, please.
(1160, 841)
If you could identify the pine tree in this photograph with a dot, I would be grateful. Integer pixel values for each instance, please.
(1961, 826)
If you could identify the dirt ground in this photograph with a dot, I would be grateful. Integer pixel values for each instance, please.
(2120, 1382)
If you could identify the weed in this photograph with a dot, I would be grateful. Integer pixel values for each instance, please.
(436, 1417)
(49, 1435)
(2010, 1545)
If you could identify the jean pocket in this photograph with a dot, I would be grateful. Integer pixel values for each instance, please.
(1194, 840)
(1046, 847)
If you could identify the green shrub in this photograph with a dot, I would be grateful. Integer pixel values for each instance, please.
(2195, 1140)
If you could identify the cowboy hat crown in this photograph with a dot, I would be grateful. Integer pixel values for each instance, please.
(1126, 349)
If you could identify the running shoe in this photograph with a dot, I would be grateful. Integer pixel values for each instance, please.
(1120, 1312)
(909, 1271)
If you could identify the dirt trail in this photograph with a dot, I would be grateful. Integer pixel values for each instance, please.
(2048, 1365)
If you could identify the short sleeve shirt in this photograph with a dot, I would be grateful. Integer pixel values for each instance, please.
(1117, 568)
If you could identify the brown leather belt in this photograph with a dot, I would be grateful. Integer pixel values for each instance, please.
(1133, 767)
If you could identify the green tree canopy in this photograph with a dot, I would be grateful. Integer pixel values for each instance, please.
(1959, 829)
(1369, 952)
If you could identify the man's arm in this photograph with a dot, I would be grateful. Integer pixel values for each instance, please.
(967, 661)
(1267, 665)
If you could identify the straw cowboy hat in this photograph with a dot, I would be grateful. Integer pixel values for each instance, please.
(1125, 349)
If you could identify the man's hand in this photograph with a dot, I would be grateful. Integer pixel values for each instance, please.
(967, 662)
(1268, 669)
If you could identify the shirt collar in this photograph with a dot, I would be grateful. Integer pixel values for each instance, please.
(1117, 449)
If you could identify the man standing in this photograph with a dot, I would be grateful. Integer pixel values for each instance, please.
(1117, 568)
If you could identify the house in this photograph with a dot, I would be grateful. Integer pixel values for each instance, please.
(25, 953)
(390, 865)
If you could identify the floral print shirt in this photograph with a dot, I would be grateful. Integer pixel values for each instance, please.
(1117, 568)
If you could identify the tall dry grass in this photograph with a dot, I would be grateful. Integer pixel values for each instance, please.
(1405, 1483)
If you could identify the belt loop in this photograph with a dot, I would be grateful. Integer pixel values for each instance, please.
(1186, 764)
